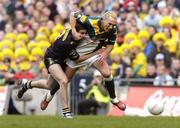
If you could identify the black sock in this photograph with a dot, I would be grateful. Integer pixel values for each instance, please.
(54, 88)
(109, 84)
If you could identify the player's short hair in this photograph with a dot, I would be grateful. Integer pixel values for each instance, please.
(110, 14)
(79, 26)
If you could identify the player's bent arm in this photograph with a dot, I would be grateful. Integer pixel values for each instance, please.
(108, 49)
(106, 52)
(79, 17)
(73, 21)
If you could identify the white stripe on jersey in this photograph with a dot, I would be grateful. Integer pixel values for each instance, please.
(86, 46)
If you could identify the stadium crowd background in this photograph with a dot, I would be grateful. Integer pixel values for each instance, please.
(148, 41)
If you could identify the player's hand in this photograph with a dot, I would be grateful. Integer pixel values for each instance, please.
(102, 56)
(76, 35)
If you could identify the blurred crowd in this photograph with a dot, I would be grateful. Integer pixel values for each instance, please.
(147, 46)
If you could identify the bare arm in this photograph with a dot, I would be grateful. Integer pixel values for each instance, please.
(76, 35)
(108, 49)
(84, 57)
(103, 52)
(72, 21)
(106, 52)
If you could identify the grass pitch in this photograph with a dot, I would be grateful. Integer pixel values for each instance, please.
(88, 122)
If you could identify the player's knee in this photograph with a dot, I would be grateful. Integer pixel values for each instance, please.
(64, 82)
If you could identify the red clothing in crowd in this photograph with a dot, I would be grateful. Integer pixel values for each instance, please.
(21, 75)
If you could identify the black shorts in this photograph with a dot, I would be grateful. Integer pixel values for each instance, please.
(50, 61)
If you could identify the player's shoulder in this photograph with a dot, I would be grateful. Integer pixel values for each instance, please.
(95, 17)
(113, 31)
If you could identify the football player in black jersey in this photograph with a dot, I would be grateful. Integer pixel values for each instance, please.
(54, 60)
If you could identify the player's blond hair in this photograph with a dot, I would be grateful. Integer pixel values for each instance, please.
(109, 14)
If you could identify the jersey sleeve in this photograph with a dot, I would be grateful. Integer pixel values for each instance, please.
(80, 17)
(73, 55)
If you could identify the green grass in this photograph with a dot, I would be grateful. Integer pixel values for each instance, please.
(88, 122)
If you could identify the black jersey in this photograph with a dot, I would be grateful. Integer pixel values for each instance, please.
(63, 47)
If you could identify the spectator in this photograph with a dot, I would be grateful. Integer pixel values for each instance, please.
(9, 28)
(3, 71)
(97, 97)
(122, 16)
(175, 68)
(162, 78)
(125, 48)
(30, 34)
(152, 19)
(159, 39)
(171, 43)
(159, 59)
(151, 71)
(10, 71)
(53, 8)
(129, 72)
(144, 10)
(2, 16)
(29, 11)
(127, 76)
(121, 33)
(162, 8)
(24, 71)
(19, 17)
(152, 30)
(138, 59)
(147, 44)
(117, 67)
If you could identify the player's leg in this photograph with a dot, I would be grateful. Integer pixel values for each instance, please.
(69, 73)
(49, 84)
(53, 86)
(66, 109)
(58, 74)
(103, 67)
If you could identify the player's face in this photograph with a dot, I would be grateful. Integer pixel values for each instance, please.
(108, 24)
(83, 32)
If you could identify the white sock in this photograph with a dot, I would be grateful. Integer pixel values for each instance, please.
(49, 97)
(115, 100)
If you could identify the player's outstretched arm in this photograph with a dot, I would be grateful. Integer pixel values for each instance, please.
(86, 56)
